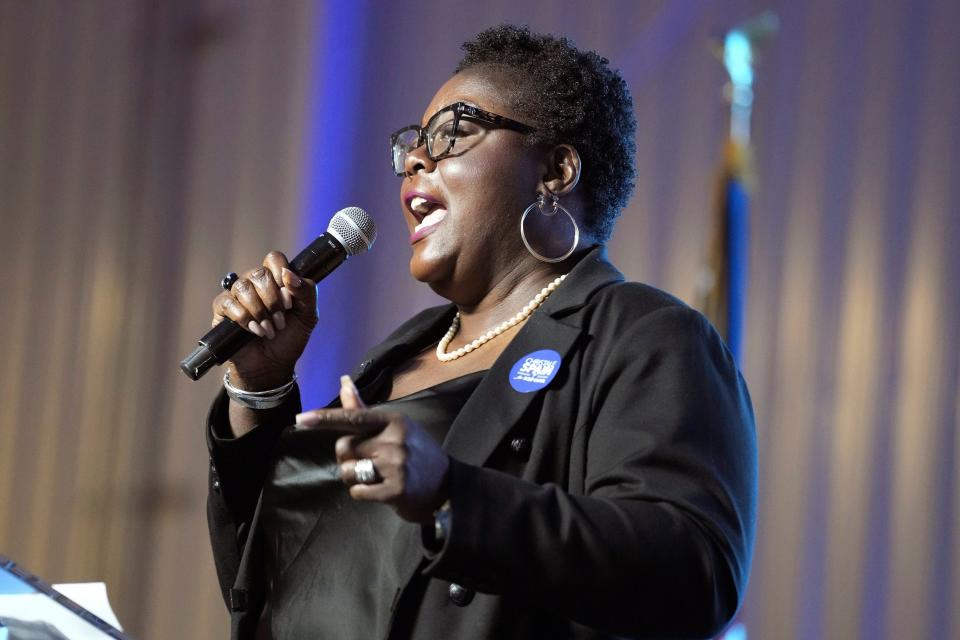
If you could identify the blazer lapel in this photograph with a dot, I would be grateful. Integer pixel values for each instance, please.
(409, 339)
(495, 406)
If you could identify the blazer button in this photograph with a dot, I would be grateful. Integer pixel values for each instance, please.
(520, 446)
(460, 596)
(216, 485)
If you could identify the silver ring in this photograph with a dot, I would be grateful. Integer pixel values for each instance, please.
(365, 472)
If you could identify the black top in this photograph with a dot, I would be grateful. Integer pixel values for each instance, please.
(319, 543)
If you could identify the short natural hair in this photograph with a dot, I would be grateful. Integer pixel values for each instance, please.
(571, 97)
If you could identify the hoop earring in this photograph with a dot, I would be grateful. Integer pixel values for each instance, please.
(546, 211)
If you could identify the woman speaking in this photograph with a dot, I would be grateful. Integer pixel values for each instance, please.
(556, 453)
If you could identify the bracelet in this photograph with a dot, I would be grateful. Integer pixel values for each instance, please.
(258, 399)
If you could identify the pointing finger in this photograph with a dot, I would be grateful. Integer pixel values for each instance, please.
(355, 421)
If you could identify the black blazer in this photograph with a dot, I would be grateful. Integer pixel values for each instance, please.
(619, 500)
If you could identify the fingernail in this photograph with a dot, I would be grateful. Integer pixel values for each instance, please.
(287, 298)
(295, 281)
(256, 329)
(347, 383)
(306, 418)
(268, 328)
(278, 321)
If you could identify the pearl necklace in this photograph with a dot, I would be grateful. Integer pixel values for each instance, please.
(531, 306)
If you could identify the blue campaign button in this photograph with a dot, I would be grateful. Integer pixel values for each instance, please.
(535, 370)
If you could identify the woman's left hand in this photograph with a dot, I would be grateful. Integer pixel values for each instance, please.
(410, 465)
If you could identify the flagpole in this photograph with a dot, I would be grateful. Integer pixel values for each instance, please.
(722, 285)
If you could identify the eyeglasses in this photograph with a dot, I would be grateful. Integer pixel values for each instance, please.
(443, 130)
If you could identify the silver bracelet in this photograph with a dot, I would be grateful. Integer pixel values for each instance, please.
(268, 399)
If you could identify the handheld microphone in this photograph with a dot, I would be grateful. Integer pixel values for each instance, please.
(351, 231)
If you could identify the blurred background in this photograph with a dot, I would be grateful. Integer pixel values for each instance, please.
(146, 148)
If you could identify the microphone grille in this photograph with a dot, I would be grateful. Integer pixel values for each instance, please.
(354, 228)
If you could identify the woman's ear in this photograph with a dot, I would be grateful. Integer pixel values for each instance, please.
(563, 169)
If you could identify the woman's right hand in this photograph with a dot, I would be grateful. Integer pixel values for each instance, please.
(277, 305)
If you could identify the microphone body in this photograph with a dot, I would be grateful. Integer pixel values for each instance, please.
(351, 231)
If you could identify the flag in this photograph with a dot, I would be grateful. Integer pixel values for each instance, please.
(722, 286)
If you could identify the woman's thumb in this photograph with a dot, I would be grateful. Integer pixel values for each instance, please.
(349, 395)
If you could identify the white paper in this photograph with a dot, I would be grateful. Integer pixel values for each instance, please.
(92, 596)
(40, 607)
(36, 607)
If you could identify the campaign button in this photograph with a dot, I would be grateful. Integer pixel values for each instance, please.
(535, 370)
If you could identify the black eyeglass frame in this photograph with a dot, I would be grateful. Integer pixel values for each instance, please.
(459, 109)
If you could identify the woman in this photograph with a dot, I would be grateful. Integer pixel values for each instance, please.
(556, 454)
